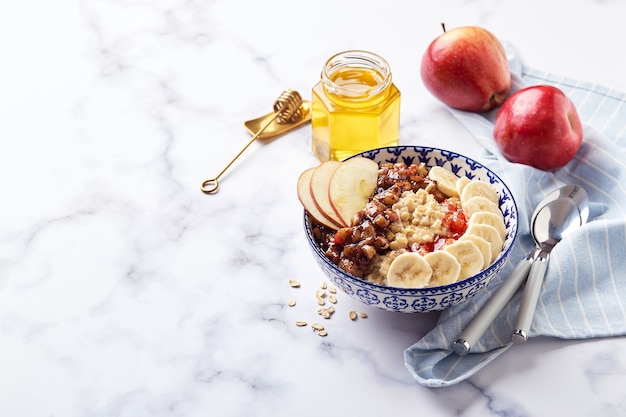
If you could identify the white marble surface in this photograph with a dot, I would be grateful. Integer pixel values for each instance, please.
(125, 291)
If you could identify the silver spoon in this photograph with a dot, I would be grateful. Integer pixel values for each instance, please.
(488, 313)
(553, 222)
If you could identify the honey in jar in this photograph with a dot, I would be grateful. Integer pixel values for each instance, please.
(355, 106)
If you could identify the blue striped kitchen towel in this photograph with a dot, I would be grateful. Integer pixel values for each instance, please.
(584, 291)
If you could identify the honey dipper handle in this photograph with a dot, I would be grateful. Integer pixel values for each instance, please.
(287, 108)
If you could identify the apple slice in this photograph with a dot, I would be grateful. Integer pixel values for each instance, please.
(351, 186)
(318, 187)
(306, 198)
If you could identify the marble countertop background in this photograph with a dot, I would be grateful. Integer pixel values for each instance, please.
(126, 292)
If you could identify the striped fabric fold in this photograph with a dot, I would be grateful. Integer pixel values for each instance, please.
(584, 291)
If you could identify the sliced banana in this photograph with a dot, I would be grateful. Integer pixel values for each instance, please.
(446, 180)
(483, 245)
(490, 234)
(409, 270)
(479, 203)
(461, 183)
(485, 217)
(468, 255)
(446, 268)
(479, 188)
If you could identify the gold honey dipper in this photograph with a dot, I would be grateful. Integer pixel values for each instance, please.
(290, 111)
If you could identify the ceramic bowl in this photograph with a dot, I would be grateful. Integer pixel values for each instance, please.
(420, 300)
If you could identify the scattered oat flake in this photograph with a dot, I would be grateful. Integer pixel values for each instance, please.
(317, 326)
(332, 299)
(294, 283)
(324, 285)
(352, 315)
(320, 293)
(326, 312)
(300, 323)
(322, 333)
(291, 302)
(321, 301)
(332, 289)
(362, 314)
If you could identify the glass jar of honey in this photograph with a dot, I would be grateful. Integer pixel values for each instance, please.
(355, 106)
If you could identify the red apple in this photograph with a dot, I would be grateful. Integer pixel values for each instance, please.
(538, 126)
(466, 68)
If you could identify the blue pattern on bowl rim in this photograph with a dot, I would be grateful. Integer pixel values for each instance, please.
(419, 300)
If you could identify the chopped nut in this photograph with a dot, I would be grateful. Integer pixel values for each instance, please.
(363, 315)
(352, 315)
(332, 299)
(301, 323)
(291, 302)
(294, 283)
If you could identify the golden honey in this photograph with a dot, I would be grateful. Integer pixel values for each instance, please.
(355, 106)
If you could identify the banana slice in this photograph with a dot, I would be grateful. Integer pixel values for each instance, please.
(483, 245)
(479, 203)
(446, 269)
(490, 234)
(479, 188)
(485, 217)
(409, 270)
(468, 255)
(461, 183)
(446, 180)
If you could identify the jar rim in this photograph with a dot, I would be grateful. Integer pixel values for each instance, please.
(356, 58)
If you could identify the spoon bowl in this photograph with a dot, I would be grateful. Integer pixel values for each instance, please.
(555, 220)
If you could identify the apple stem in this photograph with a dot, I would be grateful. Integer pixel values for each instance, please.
(443, 26)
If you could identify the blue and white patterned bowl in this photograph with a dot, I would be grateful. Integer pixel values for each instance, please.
(420, 300)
